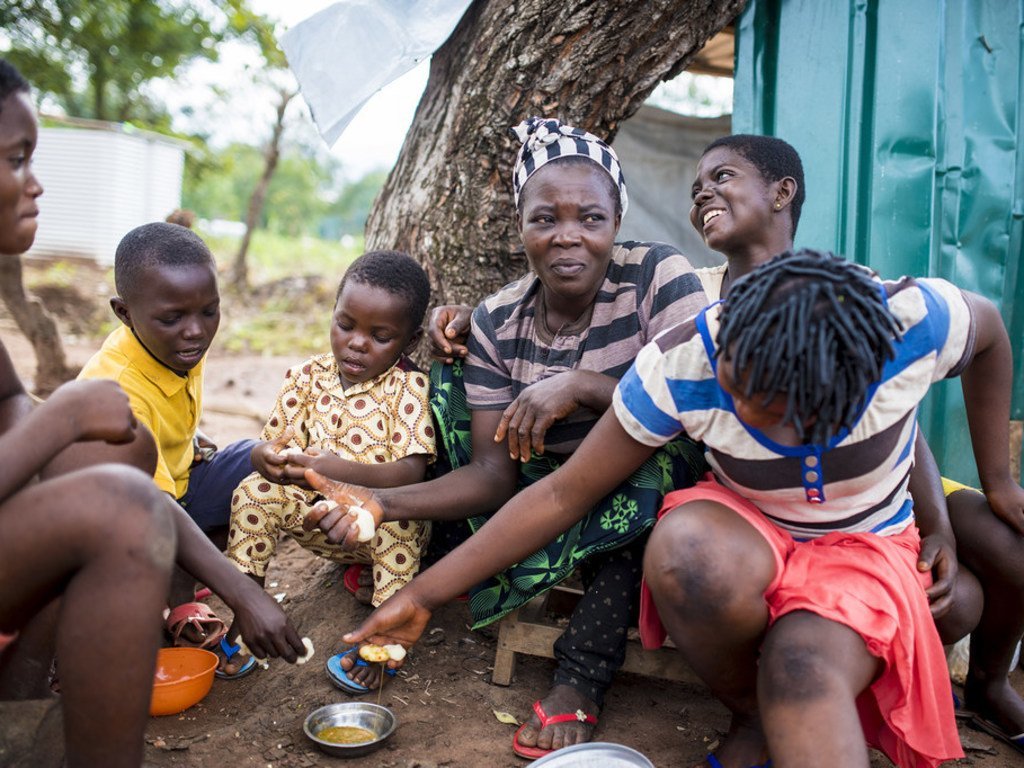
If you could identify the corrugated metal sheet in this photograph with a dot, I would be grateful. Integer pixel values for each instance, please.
(98, 185)
(908, 116)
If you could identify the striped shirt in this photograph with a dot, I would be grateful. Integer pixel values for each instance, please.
(648, 288)
(859, 481)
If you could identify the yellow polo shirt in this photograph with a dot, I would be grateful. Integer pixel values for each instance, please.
(168, 404)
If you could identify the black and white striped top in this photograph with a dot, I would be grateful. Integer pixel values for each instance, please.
(648, 288)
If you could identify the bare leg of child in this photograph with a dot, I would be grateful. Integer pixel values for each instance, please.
(59, 538)
(992, 551)
(810, 674)
(708, 569)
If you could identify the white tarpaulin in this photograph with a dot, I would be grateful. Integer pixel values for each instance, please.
(347, 52)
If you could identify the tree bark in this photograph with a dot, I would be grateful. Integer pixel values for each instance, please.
(240, 268)
(448, 200)
(37, 326)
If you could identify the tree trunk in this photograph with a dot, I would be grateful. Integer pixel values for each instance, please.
(240, 269)
(37, 326)
(448, 200)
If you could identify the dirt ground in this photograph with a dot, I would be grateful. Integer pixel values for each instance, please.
(443, 698)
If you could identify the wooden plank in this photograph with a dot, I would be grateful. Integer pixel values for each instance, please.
(537, 638)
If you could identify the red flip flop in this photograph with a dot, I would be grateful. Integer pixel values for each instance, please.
(532, 753)
(351, 577)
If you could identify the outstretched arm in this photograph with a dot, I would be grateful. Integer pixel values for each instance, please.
(533, 517)
(258, 618)
(987, 383)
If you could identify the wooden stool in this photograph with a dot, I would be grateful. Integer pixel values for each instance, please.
(527, 630)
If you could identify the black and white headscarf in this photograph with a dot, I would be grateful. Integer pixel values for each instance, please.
(544, 140)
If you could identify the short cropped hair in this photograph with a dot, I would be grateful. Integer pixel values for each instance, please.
(774, 158)
(158, 244)
(397, 273)
(11, 81)
(814, 328)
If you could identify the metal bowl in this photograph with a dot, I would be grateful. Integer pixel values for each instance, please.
(592, 753)
(379, 720)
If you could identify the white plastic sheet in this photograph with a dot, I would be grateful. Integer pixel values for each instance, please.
(347, 52)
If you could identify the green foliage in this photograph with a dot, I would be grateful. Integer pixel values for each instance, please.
(288, 310)
(94, 58)
(274, 257)
(355, 201)
(217, 185)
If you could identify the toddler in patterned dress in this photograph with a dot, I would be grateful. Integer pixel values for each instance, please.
(358, 414)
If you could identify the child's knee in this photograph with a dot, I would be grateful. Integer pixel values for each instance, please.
(683, 565)
(133, 512)
(791, 670)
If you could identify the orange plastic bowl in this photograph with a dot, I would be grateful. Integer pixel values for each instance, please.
(183, 677)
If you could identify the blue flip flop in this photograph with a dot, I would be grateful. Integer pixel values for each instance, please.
(230, 651)
(339, 676)
(714, 763)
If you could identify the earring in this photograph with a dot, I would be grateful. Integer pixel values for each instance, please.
(777, 206)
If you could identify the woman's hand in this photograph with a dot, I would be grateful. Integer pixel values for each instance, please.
(938, 555)
(337, 522)
(400, 619)
(448, 330)
(527, 420)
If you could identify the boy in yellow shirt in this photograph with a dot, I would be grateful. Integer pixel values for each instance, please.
(169, 305)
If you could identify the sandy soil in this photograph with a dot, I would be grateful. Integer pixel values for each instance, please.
(443, 699)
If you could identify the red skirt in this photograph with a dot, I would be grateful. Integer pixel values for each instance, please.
(870, 584)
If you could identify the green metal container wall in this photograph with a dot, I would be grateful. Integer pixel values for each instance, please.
(908, 116)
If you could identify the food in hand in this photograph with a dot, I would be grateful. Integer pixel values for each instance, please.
(381, 653)
(363, 523)
(395, 651)
(309, 651)
(289, 452)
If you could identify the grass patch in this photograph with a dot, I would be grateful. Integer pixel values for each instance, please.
(274, 257)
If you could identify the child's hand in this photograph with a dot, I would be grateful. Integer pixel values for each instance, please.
(268, 460)
(938, 555)
(96, 409)
(265, 628)
(447, 330)
(297, 464)
(204, 447)
(1007, 501)
(335, 520)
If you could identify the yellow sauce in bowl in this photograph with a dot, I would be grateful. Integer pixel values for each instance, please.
(346, 734)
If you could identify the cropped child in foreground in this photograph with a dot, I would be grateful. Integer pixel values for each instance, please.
(358, 414)
(803, 385)
(62, 554)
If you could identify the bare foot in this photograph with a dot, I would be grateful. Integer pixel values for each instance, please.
(368, 675)
(365, 592)
(995, 700)
(561, 699)
(229, 667)
(743, 746)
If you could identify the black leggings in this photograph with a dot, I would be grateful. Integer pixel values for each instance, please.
(593, 646)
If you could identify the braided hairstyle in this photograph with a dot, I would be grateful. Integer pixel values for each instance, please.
(814, 328)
